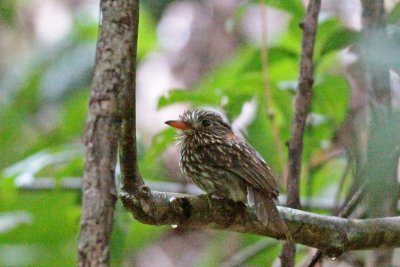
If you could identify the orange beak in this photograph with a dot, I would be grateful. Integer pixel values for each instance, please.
(181, 125)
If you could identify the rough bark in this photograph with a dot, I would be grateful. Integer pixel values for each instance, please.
(302, 106)
(112, 78)
(333, 235)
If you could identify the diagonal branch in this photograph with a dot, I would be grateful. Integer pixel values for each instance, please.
(302, 106)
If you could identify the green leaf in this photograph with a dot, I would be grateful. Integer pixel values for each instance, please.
(394, 15)
(331, 97)
(339, 40)
(45, 243)
(259, 134)
(294, 7)
(8, 11)
(160, 143)
(329, 107)
(324, 178)
(150, 165)
(196, 97)
(147, 37)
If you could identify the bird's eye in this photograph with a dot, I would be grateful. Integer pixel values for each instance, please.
(205, 123)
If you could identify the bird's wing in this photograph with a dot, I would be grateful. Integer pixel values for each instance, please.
(240, 158)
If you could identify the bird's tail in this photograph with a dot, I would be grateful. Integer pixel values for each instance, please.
(267, 212)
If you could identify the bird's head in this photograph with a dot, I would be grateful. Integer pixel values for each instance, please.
(200, 122)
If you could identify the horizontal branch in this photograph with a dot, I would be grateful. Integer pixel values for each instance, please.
(75, 183)
(333, 235)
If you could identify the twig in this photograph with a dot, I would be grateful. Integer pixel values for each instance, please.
(302, 105)
(249, 252)
(112, 77)
(267, 89)
(344, 213)
(342, 182)
(353, 203)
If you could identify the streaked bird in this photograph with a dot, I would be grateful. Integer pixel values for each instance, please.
(226, 166)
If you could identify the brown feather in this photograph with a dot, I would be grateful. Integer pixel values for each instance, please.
(267, 212)
(223, 164)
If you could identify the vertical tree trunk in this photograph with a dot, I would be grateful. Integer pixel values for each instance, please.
(113, 76)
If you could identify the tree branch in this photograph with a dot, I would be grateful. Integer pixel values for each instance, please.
(112, 78)
(75, 183)
(333, 235)
(302, 105)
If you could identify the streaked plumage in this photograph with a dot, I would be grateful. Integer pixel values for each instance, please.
(225, 165)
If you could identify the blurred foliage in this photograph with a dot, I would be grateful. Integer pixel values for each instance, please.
(239, 80)
(43, 113)
(8, 11)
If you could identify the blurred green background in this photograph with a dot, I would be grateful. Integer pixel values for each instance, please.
(205, 53)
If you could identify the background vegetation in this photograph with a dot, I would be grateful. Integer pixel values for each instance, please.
(192, 54)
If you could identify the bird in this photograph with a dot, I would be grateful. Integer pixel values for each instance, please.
(226, 166)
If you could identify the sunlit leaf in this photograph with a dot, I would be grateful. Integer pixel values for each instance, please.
(147, 33)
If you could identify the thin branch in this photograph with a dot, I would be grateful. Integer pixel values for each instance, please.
(302, 102)
(353, 202)
(302, 105)
(276, 134)
(331, 234)
(249, 252)
(112, 76)
(346, 171)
